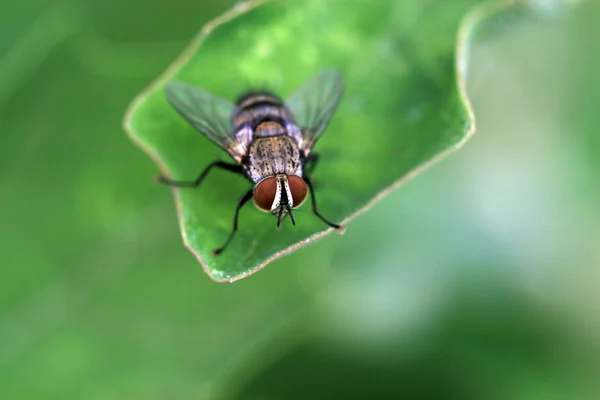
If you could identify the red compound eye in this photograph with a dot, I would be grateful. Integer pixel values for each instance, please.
(264, 193)
(298, 189)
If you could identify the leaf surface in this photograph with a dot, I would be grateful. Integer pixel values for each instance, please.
(404, 107)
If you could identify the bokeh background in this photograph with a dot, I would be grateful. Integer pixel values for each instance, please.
(479, 279)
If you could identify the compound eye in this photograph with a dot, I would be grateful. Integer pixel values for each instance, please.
(264, 193)
(298, 189)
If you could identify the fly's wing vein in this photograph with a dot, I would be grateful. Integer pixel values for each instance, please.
(209, 114)
(314, 103)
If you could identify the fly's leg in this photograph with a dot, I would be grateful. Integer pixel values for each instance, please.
(337, 227)
(219, 164)
(310, 163)
(241, 203)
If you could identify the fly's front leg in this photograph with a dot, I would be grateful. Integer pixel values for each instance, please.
(241, 203)
(310, 164)
(337, 227)
(219, 164)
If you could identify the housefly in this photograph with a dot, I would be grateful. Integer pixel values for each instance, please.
(271, 140)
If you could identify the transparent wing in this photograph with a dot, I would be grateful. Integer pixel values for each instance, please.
(313, 104)
(209, 114)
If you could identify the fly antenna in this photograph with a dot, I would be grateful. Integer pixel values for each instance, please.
(289, 211)
(279, 216)
(284, 201)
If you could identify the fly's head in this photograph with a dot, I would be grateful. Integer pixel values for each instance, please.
(280, 194)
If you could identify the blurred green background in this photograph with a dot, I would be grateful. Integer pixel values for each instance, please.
(479, 279)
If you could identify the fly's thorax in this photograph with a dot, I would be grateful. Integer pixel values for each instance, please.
(278, 192)
(270, 156)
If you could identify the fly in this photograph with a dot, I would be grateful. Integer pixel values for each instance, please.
(270, 140)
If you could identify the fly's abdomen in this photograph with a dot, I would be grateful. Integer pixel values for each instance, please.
(254, 109)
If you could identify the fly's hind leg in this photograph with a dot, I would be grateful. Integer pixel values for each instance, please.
(219, 164)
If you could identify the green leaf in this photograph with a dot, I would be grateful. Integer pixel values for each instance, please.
(404, 107)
